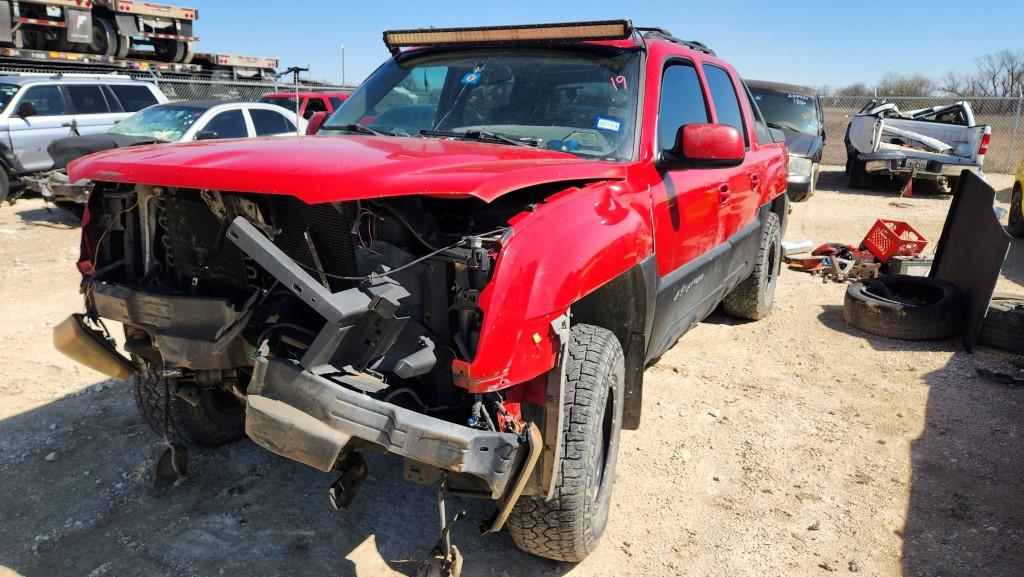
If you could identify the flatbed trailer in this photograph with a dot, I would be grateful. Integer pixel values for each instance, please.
(119, 33)
(203, 64)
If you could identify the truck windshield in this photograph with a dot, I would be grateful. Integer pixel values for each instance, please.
(166, 123)
(787, 110)
(583, 102)
(7, 93)
(284, 102)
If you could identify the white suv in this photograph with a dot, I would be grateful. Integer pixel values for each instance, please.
(36, 110)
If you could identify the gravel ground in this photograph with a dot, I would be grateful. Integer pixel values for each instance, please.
(792, 446)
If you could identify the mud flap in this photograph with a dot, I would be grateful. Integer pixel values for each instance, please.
(79, 25)
(6, 35)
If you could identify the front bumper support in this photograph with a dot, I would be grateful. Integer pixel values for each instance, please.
(308, 418)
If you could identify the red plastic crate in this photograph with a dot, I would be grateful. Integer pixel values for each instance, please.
(889, 238)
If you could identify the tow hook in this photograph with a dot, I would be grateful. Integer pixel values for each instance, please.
(445, 559)
(353, 473)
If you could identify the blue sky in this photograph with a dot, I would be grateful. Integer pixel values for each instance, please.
(813, 42)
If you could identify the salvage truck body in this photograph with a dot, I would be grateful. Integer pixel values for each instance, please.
(478, 292)
(929, 144)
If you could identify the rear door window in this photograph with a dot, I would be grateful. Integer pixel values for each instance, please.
(336, 102)
(727, 103)
(87, 99)
(230, 124)
(48, 100)
(313, 106)
(133, 97)
(268, 122)
(682, 103)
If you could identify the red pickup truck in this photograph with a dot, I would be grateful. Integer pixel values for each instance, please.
(469, 266)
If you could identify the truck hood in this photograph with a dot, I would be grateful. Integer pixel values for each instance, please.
(801, 143)
(319, 169)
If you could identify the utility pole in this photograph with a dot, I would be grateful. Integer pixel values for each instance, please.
(343, 66)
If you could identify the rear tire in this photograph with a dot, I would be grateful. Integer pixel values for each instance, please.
(907, 308)
(568, 527)
(217, 419)
(754, 298)
(857, 175)
(1015, 222)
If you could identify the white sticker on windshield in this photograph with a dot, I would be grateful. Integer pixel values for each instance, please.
(608, 124)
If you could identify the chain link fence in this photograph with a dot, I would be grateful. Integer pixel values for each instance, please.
(196, 86)
(1005, 151)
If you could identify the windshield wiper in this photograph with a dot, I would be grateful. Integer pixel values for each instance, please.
(482, 135)
(356, 127)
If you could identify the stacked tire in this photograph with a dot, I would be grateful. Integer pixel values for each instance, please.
(904, 307)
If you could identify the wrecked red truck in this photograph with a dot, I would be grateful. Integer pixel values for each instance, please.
(469, 266)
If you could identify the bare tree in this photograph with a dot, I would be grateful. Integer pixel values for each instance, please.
(893, 84)
(859, 90)
(997, 74)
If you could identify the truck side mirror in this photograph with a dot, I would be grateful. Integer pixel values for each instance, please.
(315, 122)
(27, 109)
(705, 146)
(207, 135)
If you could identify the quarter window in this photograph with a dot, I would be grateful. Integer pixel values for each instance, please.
(48, 100)
(723, 94)
(682, 103)
(230, 124)
(133, 98)
(268, 122)
(87, 99)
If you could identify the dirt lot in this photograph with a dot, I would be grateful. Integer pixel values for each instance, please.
(794, 446)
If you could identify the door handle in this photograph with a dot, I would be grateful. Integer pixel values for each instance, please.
(724, 193)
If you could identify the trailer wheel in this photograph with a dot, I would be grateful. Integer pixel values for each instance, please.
(104, 37)
(1015, 224)
(568, 527)
(124, 46)
(169, 50)
(217, 418)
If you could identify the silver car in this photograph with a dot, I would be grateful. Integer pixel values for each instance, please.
(36, 110)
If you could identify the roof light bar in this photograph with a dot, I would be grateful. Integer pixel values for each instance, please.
(600, 30)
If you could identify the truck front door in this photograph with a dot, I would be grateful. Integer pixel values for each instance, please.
(686, 205)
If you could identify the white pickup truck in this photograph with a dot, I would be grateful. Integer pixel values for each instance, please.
(928, 144)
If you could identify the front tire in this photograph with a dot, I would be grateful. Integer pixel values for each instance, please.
(1015, 223)
(216, 419)
(569, 526)
(754, 298)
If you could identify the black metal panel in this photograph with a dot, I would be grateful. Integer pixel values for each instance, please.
(193, 232)
(330, 227)
(971, 250)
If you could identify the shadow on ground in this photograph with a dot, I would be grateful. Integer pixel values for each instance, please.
(966, 511)
(50, 216)
(244, 511)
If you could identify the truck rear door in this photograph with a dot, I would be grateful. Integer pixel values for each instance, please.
(93, 114)
(740, 201)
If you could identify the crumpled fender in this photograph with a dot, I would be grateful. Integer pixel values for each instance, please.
(565, 249)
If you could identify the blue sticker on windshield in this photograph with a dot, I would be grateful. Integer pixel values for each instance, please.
(472, 78)
(607, 124)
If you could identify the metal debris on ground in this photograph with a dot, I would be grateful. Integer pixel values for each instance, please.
(837, 262)
(1014, 380)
